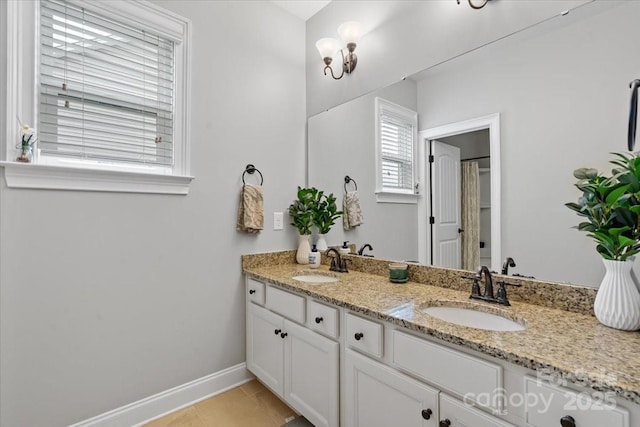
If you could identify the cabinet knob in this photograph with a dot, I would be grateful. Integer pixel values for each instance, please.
(277, 331)
(284, 334)
(319, 319)
(252, 291)
(567, 421)
(358, 336)
(445, 423)
(426, 413)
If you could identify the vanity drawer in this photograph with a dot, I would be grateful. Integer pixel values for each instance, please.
(471, 378)
(547, 404)
(255, 291)
(323, 318)
(363, 335)
(285, 303)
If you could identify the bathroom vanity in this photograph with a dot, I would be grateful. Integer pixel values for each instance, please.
(355, 350)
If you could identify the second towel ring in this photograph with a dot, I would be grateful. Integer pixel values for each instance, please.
(347, 180)
(250, 169)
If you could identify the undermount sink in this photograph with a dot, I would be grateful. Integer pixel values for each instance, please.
(315, 278)
(473, 318)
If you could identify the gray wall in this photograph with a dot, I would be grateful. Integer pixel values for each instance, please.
(404, 37)
(110, 298)
(562, 93)
(342, 142)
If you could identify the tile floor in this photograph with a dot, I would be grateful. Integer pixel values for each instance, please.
(250, 405)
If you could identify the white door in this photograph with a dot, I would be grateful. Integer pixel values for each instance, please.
(445, 191)
(311, 377)
(265, 348)
(378, 396)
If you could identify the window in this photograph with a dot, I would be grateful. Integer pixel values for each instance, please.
(396, 129)
(111, 90)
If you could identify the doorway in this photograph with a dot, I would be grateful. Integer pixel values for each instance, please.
(439, 235)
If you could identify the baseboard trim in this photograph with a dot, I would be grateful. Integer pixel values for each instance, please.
(158, 405)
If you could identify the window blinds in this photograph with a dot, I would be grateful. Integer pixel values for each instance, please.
(106, 89)
(396, 139)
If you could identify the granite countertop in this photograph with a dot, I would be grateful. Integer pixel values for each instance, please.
(561, 345)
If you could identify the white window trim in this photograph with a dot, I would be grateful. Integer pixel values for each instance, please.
(22, 101)
(386, 195)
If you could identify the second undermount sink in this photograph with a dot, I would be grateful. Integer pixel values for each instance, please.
(473, 318)
(315, 278)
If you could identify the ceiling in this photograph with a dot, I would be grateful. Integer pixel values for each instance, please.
(303, 9)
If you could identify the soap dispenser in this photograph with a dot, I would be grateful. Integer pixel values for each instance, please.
(314, 257)
(345, 249)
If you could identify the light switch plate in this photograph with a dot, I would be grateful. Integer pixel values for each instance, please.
(278, 221)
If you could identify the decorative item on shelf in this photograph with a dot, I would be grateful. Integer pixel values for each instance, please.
(301, 212)
(324, 217)
(28, 138)
(398, 272)
(611, 205)
(350, 33)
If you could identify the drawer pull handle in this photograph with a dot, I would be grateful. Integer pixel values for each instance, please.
(277, 331)
(284, 334)
(426, 413)
(252, 291)
(358, 336)
(567, 421)
(445, 423)
(319, 319)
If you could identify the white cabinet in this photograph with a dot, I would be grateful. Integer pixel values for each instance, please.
(298, 364)
(265, 351)
(454, 413)
(554, 403)
(378, 396)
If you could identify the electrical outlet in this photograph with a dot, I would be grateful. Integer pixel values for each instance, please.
(278, 221)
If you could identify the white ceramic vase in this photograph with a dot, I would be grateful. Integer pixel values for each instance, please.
(321, 244)
(617, 303)
(304, 249)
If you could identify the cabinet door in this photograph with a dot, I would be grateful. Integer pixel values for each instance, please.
(454, 413)
(265, 346)
(378, 396)
(311, 375)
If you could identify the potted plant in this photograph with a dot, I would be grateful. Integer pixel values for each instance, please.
(301, 212)
(611, 207)
(324, 217)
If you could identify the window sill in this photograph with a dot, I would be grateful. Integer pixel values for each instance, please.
(403, 198)
(28, 175)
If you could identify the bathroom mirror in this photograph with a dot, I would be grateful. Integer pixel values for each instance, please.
(561, 90)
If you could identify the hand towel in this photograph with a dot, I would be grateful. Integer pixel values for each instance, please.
(250, 210)
(352, 214)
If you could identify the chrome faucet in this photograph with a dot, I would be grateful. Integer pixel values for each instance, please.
(365, 246)
(337, 263)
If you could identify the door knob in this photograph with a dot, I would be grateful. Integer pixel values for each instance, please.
(567, 421)
(426, 413)
(277, 331)
(284, 334)
(319, 319)
(445, 423)
(252, 291)
(358, 336)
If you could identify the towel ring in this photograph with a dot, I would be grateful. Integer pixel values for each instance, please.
(347, 180)
(250, 169)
